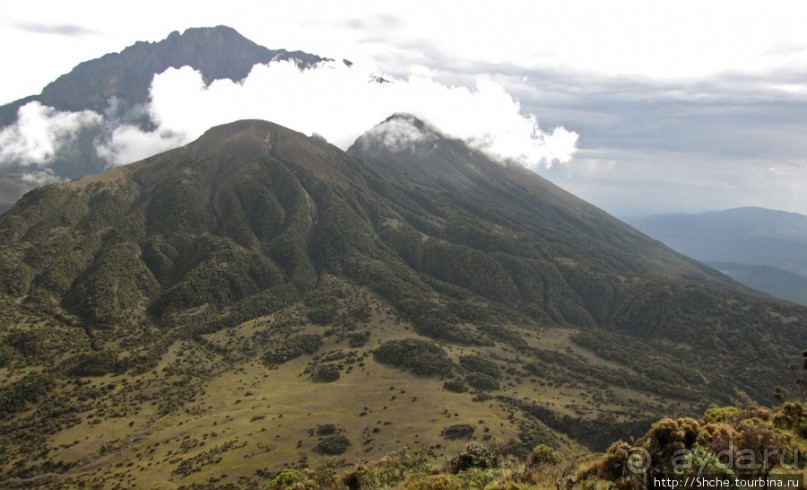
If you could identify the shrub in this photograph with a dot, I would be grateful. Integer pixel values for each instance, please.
(667, 436)
(323, 315)
(438, 323)
(474, 456)
(358, 339)
(534, 369)
(792, 416)
(326, 429)
(27, 343)
(455, 386)
(296, 479)
(6, 353)
(613, 466)
(704, 461)
(754, 433)
(93, 364)
(332, 445)
(505, 335)
(326, 373)
(479, 364)
(419, 356)
(389, 471)
(436, 482)
(458, 431)
(544, 455)
(482, 381)
(292, 348)
(361, 313)
(16, 396)
(722, 414)
(716, 436)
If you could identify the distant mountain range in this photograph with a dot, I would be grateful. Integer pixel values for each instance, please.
(260, 299)
(762, 248)
(116, 87)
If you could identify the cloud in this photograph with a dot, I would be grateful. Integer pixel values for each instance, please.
(128, 143)
(670, 146)
(333, 100)
(69, 30)
(40, 132)
(41, 177)
(339, 103)
(398, 134)
(376, 22)
(647, 145)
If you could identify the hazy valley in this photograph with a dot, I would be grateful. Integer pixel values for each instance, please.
(761, 248)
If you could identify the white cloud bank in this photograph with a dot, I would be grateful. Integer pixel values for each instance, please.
(332, 100)
(41, 177)
(339, 103)
(40, 131)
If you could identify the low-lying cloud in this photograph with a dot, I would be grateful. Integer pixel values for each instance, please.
(339, 103)
(332, 100)
(38, 178)
(398, 134)
(40, 132)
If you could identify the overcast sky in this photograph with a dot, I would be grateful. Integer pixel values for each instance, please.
(679, 106)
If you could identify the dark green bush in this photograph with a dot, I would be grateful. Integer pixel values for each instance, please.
(292, 348)
(326, 429)
(482, 381)
(323, 315)
(326, 373)
(504, 334)
(474, 456)
(458, 431)
(358, 339)
(419, 356)
(360, 313)
(455, 386)
(332, 445)
(534, 369)
(93, 364)
(16, 396)
(478, 364)
(27, 343)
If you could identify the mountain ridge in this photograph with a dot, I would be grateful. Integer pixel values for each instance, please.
(246, 141)
(751, 236)
(217, 52)
(278, 292)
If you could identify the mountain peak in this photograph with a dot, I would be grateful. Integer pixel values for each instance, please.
(397, 133)
(412, 148)
(217, 52)
(221, 31)
(404, 117)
